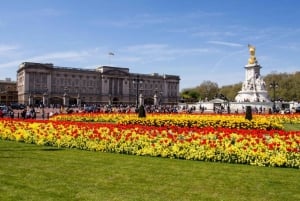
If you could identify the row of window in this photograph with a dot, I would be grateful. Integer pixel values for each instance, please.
(74, 83)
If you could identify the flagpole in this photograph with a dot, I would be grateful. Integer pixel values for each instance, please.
(110, 54)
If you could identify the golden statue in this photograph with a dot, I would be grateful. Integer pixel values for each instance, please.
(252, 59)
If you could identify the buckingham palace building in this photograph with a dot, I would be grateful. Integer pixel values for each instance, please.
(44, 83)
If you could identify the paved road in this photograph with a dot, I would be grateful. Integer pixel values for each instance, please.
(48, 111)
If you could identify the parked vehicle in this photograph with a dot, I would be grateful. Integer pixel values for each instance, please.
(285, 111)
(4, 110)
(91, 109)
(17, 106)
(297, 109)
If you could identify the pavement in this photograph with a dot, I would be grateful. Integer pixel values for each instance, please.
(48, 112)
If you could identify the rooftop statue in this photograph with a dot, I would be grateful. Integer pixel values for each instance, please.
(252, 59)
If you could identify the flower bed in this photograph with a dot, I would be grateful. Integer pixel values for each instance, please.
(266, 122)
(276, 148)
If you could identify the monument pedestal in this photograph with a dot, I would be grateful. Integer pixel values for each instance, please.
(254, 87)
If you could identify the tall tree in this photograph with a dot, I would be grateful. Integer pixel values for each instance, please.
(190, 95)
(230, 91)
(208, 89)
(288, 86)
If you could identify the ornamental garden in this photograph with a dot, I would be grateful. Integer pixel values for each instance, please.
(226, 138)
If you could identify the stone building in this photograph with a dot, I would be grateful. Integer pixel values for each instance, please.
(44, 83)
(8, 92)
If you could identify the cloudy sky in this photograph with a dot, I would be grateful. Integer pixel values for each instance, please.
(198, 40)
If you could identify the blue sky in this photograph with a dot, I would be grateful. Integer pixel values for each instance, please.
(198, 40)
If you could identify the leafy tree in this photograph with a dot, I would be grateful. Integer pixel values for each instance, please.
(208, 89)
(288, 86)
(190, 95)
(230, 91)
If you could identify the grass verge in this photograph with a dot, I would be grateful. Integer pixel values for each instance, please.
(31, 172)
(291, 127)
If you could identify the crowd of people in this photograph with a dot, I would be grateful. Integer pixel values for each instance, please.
(41, 112)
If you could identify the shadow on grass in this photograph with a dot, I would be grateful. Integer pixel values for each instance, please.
(51, 149)
(31, 149)
(9, 157)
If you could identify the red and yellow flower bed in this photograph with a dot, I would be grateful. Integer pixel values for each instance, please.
(275, 148)
(265, 122)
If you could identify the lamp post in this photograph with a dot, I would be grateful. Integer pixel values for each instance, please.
(30, 99)
(45, 100)
(137, 81)
(157, 97)
(78, 98)
(78, 101)
(109, 99)
(160, 98)
(155, 102)
(66, 97)
(274, 85)
(227, 103)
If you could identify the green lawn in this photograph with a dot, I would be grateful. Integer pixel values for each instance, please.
(31, 172)
(292, 127)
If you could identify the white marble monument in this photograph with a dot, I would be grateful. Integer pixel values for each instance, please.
(254, 87)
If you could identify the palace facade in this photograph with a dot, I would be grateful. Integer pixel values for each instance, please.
(44, 83)
(8, 92)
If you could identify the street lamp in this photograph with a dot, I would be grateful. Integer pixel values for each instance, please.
(274, 85)
(45, 101)
(155, 102)
(137, 81)
(109, 99)
(157, 97)
(66, 97)
(30, 99)
(78, 101)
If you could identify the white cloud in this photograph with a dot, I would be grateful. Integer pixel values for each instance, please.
(162, 49)
(146, 47)
(11, 64)
(136, 21)
(49, 12)
(51, 57)
(130, 59)
(153, 53)
(7, 48)
(201, 14)
(144, 19)
(68, 55)
(212, 33)
(290, 46)
(226, 43)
